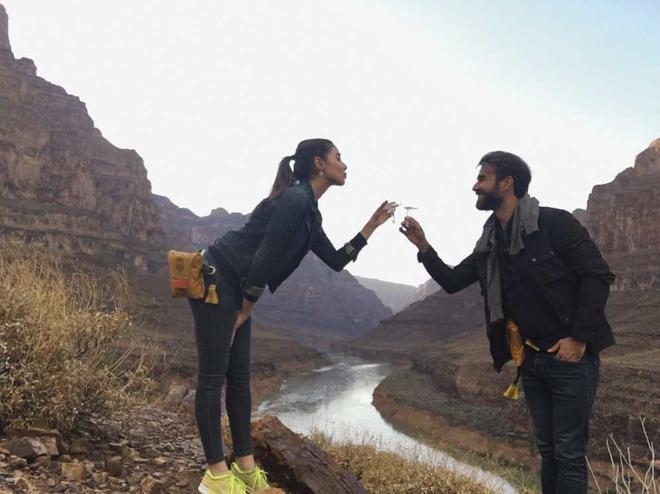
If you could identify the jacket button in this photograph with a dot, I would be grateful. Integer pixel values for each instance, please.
(533, 259)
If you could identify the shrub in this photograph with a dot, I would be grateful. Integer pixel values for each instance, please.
(58, 327)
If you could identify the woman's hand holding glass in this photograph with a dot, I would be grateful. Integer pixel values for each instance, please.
(384, 212)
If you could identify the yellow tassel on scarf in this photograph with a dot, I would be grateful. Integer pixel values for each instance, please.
(512, 392)
(517, 349)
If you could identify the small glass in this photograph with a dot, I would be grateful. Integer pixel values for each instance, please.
(391, 208)
(408, 209)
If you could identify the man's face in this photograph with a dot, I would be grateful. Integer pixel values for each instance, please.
(487, 188)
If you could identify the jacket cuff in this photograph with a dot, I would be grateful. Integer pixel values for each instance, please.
(582, 334)
(252, 293)
(355, 245)
(430, 253)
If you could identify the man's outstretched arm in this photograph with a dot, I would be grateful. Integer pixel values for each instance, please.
(450, 279)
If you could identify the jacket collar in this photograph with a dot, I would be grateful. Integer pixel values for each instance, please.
(306, 186)
(525, 221)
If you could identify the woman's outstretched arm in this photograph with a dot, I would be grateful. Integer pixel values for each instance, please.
(337, 259)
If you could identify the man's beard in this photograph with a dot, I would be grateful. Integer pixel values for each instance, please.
(488, 201)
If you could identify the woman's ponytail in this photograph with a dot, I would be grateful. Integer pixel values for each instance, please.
(303, 169)
(284, 177)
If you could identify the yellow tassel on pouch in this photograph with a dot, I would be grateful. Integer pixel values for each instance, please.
(211, 295)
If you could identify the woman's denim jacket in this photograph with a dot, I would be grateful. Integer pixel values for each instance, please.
(276, 238)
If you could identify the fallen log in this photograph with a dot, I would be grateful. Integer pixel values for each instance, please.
(298, 465)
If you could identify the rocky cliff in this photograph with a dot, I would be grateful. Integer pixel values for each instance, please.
(62, 184)
(623, 217)
(4, 30)
(187, 231)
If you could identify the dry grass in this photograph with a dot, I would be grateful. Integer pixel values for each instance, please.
(388, 473)
(383, 472)
(58, 329)
(627, 476)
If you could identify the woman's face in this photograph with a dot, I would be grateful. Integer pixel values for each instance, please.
(333, 168)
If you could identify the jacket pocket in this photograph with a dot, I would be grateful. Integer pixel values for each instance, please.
(556, 285)
(547, 268)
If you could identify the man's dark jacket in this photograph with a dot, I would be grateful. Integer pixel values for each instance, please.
(561, 285)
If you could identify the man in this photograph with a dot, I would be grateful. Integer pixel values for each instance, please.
(539, 269)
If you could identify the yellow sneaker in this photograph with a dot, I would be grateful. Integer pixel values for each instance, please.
(227, 483)
(254, 480)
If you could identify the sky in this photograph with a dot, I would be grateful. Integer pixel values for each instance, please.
(212, 94)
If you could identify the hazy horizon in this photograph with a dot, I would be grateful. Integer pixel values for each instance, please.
(216, 93)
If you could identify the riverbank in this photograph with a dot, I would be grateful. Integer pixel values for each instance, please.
(410, 403)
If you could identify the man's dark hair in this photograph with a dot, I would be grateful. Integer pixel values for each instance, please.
(509, 165)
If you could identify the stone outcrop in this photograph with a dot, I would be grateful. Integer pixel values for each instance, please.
(4, 30)
(623, 217)
(62, 184)
(429, 287)
(187, 231)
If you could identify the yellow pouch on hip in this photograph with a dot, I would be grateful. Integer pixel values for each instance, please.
(186, 274)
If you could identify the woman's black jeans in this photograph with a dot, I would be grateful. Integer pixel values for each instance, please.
(560, 396)
(222, 362)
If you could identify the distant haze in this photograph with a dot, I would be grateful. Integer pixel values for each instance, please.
(396, 296)
(213, 94)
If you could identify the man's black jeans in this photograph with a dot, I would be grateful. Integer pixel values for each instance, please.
(560, 396)
(220, 362)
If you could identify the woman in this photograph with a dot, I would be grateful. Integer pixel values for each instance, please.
(278, 235)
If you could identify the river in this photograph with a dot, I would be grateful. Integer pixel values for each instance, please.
(337, 400)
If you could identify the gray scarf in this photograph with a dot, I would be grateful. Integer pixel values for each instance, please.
(525, 219)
